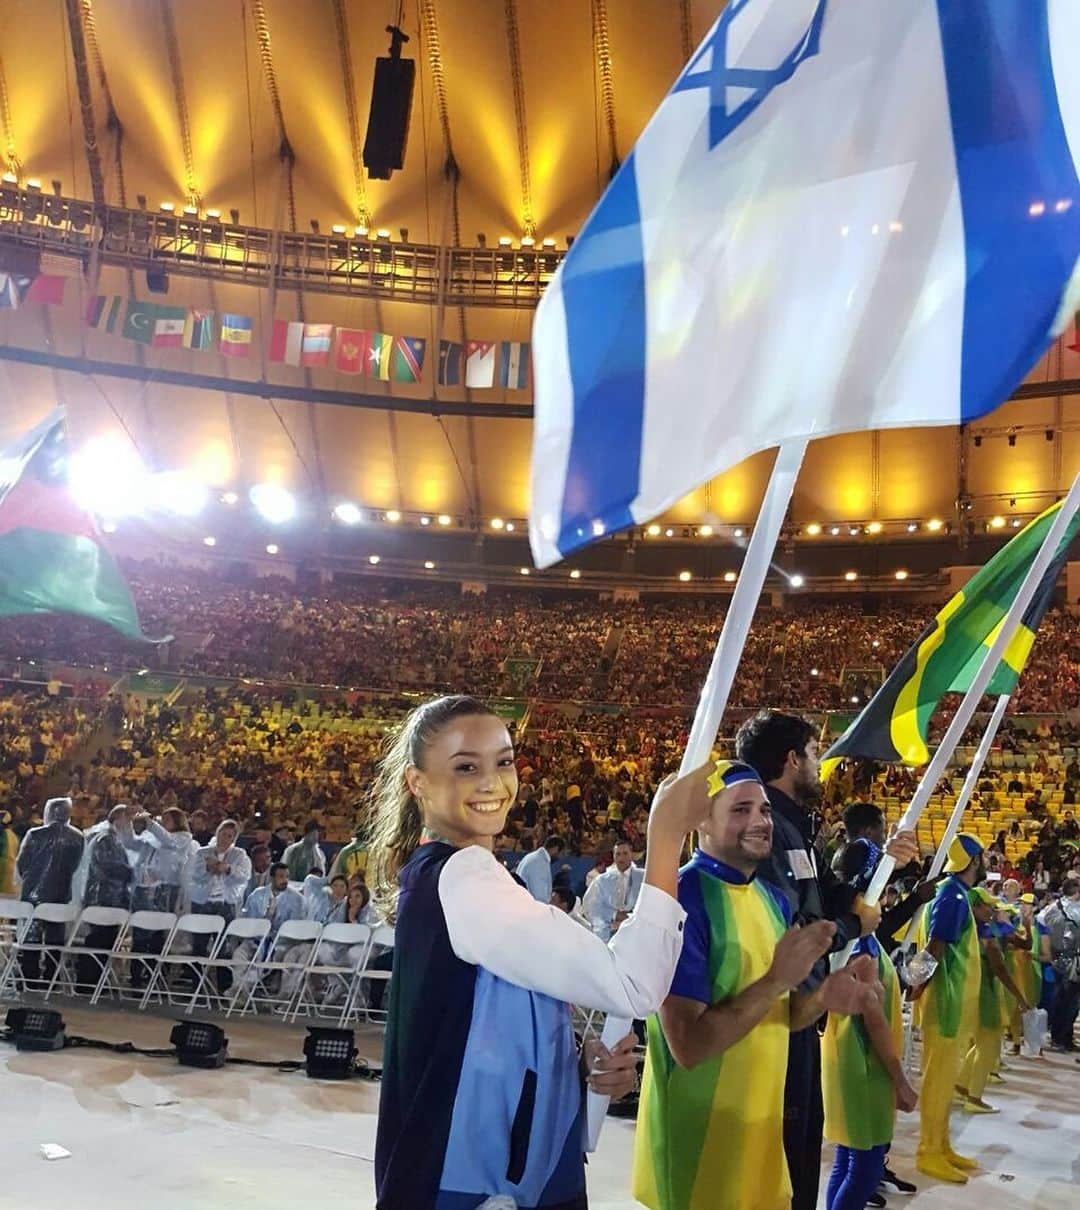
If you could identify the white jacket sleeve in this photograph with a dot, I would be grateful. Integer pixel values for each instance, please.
(495, 923)
(592, 908)
(239, 875)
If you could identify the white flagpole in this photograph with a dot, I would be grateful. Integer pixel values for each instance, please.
(725, 663)
(953, 826)
(729, 648)
(962, 718)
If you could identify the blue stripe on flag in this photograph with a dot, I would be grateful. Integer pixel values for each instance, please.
(606, 348)
(1012, 157)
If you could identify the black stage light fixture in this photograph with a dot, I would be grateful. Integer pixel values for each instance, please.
(157, 281)
(391, 105)
(330, 1053)
(200, 1044)
(36, 1029)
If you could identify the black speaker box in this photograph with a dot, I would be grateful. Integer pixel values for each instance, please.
(388, 120)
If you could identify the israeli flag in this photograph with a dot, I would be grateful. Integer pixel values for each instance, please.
(845, 215)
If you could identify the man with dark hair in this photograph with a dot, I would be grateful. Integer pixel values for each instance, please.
(1062, 918)
(865, 825)
(783, 748)
(864, 821)
(305, 854)
(200, 829)
(353, 858)
(534, 869)
(612, 896)
(948, 1007)
(47, 861)
(261, 859)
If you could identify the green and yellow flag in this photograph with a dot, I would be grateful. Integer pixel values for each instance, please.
(894, 724)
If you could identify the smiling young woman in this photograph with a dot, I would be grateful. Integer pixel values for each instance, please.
(482, 1091)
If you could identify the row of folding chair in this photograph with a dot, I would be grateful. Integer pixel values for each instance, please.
(176, 975)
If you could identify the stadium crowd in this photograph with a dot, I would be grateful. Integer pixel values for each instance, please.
(250, 799)
(816, 655)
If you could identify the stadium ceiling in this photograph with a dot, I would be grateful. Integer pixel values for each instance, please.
(521, 110)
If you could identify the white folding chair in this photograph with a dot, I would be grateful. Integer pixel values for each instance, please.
(171, 959)
(382, 939)
(254, 979)
(347, 937)
(60, 914)
(70, 952)
(145, 921)
(224, 958)
(15, 917)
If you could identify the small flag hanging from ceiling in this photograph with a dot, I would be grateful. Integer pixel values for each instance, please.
(514, 365)
(287, 342)
(169, 325)
(198, 330)
(235, 335)
(9, 292)
(139, 322)
(104, 312)
(450, 353)
(480, 363)
(379, 347)
(407, 362)
(349, 354)
(316, 347)
(47, 288)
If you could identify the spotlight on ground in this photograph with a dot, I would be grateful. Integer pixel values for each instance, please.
(199, 1044)
(274, 503)
(36, 1029)
(330, 1053)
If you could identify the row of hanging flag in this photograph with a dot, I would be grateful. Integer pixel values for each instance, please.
(476, 364)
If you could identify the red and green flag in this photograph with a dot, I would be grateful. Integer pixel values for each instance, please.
(52, 559)
(199, 330)
(169, 326)
(105, 312)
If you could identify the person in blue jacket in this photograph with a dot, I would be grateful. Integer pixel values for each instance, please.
(483, 1093)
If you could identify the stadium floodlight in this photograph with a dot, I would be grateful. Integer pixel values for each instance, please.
(273, 502)
(107, 477)
(178, 492)
(796, 581)
(348, 513)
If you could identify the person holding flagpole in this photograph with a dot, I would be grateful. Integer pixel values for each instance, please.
(783, 748)
(948, 1007)
(482, 1100)
(710, 1124)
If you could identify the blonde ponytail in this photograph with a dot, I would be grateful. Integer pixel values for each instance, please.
(396, 820)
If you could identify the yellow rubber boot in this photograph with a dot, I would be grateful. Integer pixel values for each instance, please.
(964, 1162)
(939, 1167)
